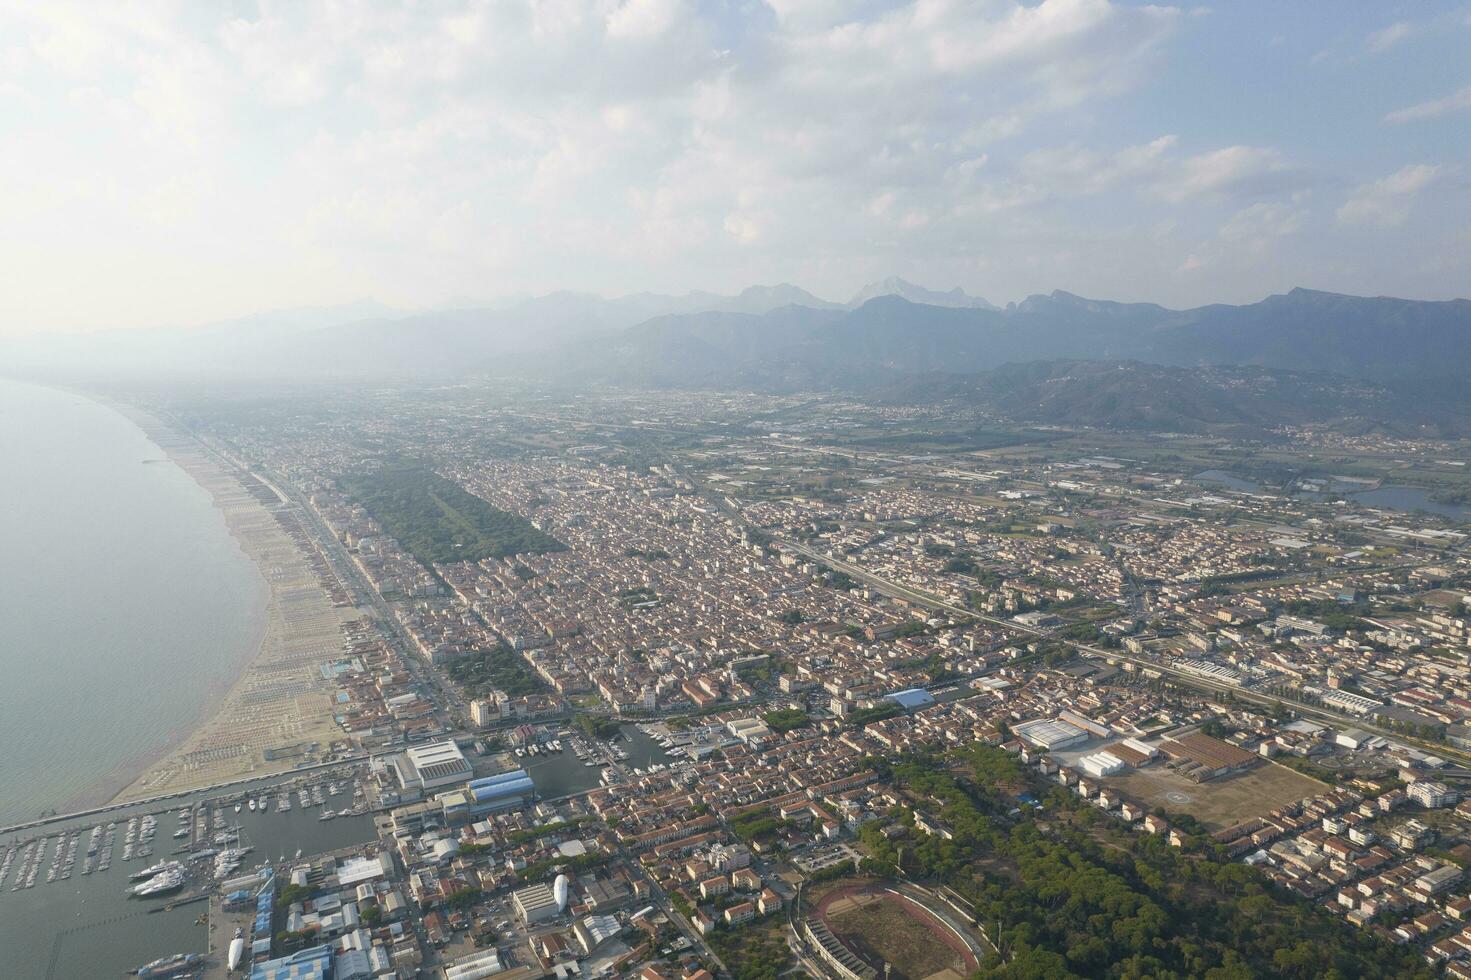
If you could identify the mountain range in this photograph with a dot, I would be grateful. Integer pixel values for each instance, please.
(1380, 339)
(333, 343)
(902, 288)
(1304, 355)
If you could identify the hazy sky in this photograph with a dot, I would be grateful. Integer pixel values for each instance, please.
(168, 162)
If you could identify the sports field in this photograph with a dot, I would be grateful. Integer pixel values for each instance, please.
(881, 926)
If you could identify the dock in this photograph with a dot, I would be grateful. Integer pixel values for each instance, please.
(180, 903)
(222, 926)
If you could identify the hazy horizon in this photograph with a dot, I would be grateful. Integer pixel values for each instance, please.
(188, 163)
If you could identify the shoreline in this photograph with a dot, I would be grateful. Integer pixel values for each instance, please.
(101, 787)
(112, 785)
(276, 697)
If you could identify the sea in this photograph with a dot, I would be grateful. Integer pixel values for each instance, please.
(127, 610)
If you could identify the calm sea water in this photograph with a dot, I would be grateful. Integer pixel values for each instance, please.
(126, 608)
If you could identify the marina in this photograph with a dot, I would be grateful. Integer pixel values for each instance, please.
(84, 924)
(141, 865)
(582, 762)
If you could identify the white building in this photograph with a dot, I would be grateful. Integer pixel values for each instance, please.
(476, 966)
(1431, 794)
(484, 712)
(752, 731)
(426, 767)
(1348, 701)
(594, 930)
(1101, 764)
(1050, 735)
(535, 903)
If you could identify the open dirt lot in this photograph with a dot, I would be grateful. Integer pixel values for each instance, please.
(1221, 802)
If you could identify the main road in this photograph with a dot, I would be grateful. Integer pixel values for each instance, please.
(1185, 678)
(364, 594)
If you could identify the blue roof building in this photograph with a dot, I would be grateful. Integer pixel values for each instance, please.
(507, 790)
(314, 963)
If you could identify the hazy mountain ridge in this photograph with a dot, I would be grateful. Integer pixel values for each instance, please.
(1302, 356)
(1375, 338)
(379, 342)
(1065, 359)
(1235, 398)
(904, 289)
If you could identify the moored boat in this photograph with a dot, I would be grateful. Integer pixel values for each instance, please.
(177, 965)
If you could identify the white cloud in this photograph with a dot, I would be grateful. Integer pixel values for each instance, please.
(1434, 109)
(1153, 169)
(1156, 171)
(1388, 201)
(282, 66)
(1247, 244)
(1075, 170)
(643, 18)
(605, 131)
(1388, 37)
(1232, 171)
(742, 227)
(1263, 221)
(313, 152)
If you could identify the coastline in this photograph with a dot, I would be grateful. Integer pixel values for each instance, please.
(277, 698)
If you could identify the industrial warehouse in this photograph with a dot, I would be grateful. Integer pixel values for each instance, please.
(473, 800)
(426, 767)
(436, 786)
(491, 794)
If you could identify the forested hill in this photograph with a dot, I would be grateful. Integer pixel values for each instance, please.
(1301, 358)
(1378, 339)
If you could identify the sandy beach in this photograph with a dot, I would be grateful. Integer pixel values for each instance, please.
(279, 712)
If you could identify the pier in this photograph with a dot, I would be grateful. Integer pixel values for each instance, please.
(105, 809)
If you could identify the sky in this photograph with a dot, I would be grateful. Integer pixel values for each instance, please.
(180, 161)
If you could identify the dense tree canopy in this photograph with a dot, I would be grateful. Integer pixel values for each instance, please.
(1068, 891)
(438, 521)
(499, 668)
(785, 719)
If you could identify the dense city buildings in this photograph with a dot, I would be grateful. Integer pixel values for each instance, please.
(662, 684)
